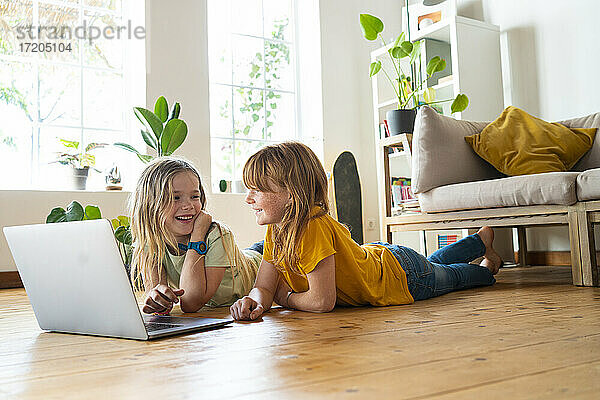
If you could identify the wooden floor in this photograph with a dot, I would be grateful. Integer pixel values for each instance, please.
(531, 336)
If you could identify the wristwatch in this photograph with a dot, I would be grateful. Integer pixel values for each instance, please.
(200, 247)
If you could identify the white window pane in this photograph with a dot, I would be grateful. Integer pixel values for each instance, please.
(15, 16)
(221, 162)
(219, 41)
(243, 150)
(278, 19)
(16, 83)
(246, 17)
(278, 66)
(59, 22)
(102, 99)
(113, 5)
(220, 111)
(248, 113)
(15, 151)
(281, 119)
(106, 50)
(60, 94)
(248, 64)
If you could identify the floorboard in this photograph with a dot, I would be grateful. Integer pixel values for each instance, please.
(532, 335)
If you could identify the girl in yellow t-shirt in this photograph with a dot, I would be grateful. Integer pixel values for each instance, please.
(311, 263)
(180, 254)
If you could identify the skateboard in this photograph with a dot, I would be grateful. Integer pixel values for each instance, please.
(347, 195)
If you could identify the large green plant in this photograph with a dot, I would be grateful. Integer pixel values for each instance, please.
(163, 133)
(76, 212)
(409, 92)
(76, 157)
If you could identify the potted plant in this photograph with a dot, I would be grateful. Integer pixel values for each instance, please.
(81, 160)
(409, 92)
(163, 133)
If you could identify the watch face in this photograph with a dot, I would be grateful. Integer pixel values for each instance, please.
(202, 247)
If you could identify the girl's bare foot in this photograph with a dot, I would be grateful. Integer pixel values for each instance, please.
(491, 259)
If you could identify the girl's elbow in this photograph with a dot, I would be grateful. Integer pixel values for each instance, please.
(325, 306)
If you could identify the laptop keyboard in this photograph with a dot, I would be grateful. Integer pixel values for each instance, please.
(156, 326)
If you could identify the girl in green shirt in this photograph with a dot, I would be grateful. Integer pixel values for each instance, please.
(180, 254)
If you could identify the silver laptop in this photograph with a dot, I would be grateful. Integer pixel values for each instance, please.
(77, 283)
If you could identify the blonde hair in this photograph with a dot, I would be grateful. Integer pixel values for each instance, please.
(148, 207)
(296, 168)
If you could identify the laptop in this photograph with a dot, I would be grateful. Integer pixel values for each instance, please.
(76, 282)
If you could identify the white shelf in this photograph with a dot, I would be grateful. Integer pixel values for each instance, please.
(387, 103)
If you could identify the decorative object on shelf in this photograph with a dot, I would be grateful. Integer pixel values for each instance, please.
(163, 133)
(81, 160)
(223, 186)
(409, 89)
(113, 179)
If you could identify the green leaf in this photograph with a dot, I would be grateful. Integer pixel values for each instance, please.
(436, 64)
(176, 111)
(173, 136)
(399, 40)
(371, 26)
(247, 130)
(255, 117)
(123, 220)
(161, 109)
(374, 68)
(115, 223)
(429, 95)
(92, 212)
(126, 146)
(123, 235)
(70, 143)
(57, 214)
(460, 103)
(150, 121)
(93, 146)
(145, 158)
(74, 212)
(403, 50)
(149, 139)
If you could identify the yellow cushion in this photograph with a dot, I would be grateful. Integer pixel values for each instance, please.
(520, 144)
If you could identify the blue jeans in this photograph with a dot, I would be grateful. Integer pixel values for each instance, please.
(258, 246)
(445, 270)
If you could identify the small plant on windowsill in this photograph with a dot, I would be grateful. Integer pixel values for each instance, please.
(409, 92)
(162, 133)
(81, 160)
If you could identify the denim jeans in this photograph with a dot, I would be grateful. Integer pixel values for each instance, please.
(258, 246)
(445, 270)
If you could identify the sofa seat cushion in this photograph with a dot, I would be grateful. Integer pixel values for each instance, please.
(588, 185)
(525, 190)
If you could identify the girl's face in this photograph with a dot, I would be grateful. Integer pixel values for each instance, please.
(268, 207)
(186, 205)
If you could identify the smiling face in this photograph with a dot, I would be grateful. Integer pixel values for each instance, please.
(268, 207)
(186, 206)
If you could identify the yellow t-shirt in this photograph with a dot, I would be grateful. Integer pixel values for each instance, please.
(368, 274)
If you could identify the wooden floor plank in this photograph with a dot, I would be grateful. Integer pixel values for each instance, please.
(532, 319)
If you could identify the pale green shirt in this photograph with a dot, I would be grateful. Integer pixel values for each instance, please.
(241, 267)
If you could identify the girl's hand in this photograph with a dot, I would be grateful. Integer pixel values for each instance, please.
(201, 226)
(161, 299)
(246, 308)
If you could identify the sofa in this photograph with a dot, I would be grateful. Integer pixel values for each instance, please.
(458, 189)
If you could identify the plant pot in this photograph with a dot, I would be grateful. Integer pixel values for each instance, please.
(401, 121)
(79, 178)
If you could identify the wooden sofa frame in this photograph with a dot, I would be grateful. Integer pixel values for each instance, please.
(580, 218)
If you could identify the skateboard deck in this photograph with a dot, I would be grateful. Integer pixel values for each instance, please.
(347, 195)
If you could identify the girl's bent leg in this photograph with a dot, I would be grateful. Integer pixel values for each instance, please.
(463, 251)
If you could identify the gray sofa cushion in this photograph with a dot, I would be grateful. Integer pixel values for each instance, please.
(442, 157)
(588, 185)
(440, 154)
(523, 190)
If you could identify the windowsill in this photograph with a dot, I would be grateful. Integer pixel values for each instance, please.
(64, 191)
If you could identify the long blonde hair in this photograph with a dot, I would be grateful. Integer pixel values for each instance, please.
(148, 207)
(295, 167)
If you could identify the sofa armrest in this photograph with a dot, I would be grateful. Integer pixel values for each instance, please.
(440, 154)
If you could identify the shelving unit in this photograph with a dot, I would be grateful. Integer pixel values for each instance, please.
(473, 47)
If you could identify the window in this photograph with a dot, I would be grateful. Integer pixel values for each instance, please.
(64, 69)
(253, 85)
